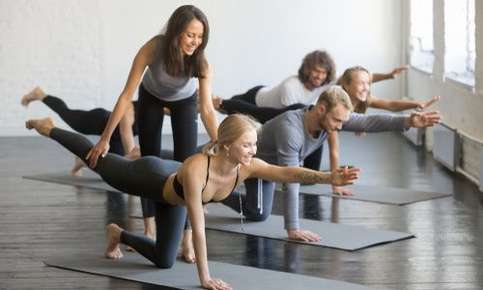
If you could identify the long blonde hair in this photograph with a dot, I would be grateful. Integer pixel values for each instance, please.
(230, 129)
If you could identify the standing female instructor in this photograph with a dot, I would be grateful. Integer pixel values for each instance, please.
(171, 64)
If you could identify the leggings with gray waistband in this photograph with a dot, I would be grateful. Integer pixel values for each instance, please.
(143, 177)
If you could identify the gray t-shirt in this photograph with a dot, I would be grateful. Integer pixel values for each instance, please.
(162, 85)
(284, 141)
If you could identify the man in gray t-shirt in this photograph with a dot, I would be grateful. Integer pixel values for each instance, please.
(290, 137)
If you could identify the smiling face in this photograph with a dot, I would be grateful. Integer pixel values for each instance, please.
(359, 86)
(192, 37)
(244, 148)
(316, 77)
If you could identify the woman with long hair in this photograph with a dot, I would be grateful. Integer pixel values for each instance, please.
(171, 71)
(176, 188)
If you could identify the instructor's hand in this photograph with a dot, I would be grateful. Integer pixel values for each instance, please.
(100, 149)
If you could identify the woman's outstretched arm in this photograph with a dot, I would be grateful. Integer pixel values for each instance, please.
(261, 169)
(401, 105)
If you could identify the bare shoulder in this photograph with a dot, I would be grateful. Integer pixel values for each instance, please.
(149, 48)
(196, 161)
(194, 167)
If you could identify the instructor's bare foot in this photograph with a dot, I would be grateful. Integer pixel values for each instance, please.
(78, 165)
(34, 95)
(42, 126)
(113, 239)
(187, 250)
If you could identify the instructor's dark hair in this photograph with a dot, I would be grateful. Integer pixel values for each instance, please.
(176, 63)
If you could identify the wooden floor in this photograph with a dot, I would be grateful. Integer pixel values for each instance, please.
(39, 220)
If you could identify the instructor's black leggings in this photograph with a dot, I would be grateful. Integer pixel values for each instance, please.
(184, 126)
(90, 122)
(144, 177)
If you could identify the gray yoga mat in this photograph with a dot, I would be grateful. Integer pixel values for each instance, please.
(222, 218)
(338, 236)
(377, 194)
(184, 276)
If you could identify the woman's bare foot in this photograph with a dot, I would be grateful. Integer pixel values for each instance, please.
(78, 165)
(42, 126)
(113, 251)
(187, 249)
(34, 95)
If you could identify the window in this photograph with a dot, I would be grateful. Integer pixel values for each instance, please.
(421, 34)
(459, 25)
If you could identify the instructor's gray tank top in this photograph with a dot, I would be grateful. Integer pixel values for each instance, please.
(163, 86)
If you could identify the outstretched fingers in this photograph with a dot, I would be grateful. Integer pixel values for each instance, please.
(217, 284)
(398, 70)
(433, 100)
(347, 175)
(431, 118)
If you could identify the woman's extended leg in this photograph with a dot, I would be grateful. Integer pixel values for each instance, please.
(88, 122)
(143, 177)
(261, 114)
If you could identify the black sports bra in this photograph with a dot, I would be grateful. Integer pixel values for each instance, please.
(178, 187)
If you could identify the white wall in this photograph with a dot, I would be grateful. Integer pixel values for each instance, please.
(81, 50)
